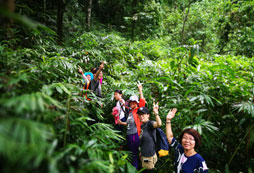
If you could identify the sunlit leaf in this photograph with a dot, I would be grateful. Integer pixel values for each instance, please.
(246, 107)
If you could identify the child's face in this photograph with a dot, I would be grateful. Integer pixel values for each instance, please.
(117, 96)
(88, 77)
(133, 105)
(101, 74)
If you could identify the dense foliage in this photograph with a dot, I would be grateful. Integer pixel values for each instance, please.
(193, 55)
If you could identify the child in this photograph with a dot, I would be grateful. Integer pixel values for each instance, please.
(134, 125)
(87, 78)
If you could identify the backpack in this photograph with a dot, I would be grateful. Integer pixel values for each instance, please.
(127, 109)
(161, 143)
(88, 86)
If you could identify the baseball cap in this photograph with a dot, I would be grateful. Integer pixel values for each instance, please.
(133, 99)
(143, 110)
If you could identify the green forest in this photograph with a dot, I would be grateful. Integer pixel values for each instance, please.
(193, 55)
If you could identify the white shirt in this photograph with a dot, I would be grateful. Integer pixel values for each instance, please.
(120, 109)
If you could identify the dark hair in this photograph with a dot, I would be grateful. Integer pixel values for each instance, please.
(94, 70)
(119, 91)
(143, 110)
(193, 133)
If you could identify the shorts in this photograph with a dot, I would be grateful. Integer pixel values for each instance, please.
(149, 162)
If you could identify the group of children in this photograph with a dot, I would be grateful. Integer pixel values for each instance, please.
(141, 133)
(93, 80)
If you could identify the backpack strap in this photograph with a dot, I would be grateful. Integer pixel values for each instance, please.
(150, 133)
(87, 87)
(121, 107)
(126, 111)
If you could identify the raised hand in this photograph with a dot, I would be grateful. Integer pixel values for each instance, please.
(102, 65)
(80, 70)
(171, 114)
(140, 87)
(156, 108)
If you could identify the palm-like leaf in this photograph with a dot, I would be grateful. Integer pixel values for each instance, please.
(246, 107)
(202, 124)
(29, 103)
(20, 137)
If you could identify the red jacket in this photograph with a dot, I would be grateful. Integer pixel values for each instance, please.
(142, 103)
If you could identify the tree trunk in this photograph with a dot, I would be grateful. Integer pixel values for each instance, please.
(9, 6)
(60, 14)
(89, 11)
(185, 20)
(134, 3)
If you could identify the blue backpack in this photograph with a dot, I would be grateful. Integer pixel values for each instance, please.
(161, 143)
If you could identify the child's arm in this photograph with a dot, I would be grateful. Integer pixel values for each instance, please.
(142, 101)
(140, 89)
(98, 71)
(83, 76)
(122, 123)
